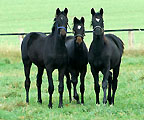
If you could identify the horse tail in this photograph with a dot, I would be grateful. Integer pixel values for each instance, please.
(117, 41)
(32, 36)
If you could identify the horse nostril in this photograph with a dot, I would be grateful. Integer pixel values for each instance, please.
(98, 31)
(62, 32)
(79, 40)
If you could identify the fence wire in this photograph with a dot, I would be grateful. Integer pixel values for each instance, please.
(117, 30)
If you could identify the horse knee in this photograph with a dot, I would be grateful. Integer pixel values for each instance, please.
(51, 89)
(97, 88)
(104, 84)
(114, 85)
(27, 84)
(61, 88)
(82, 89)
(39, 82)
(110, 77)
(74, 81)
(68, 84)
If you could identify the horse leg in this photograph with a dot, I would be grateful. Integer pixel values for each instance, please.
(61, 86)
(75, 81)
(27, 66)
(114, 82)
(68, 85)
(109, 88)
(95, 74)
(39, 82)
(82, 87)
(51, 86)
(104, 83)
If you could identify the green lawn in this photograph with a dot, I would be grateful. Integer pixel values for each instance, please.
(38, 15)
(128, 101)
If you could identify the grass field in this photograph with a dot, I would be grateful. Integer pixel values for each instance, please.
(37, 15)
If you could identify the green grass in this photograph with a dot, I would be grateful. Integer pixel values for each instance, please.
(38, 15)
(128, 100)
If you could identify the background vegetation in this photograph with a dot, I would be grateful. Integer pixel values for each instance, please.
(38, 15)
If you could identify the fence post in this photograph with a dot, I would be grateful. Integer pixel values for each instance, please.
(131, 39)
(20, 39)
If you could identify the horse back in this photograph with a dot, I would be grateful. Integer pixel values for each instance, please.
(118, 42)
(32, 47)
(116, 48)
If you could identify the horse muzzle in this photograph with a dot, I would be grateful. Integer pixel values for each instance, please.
(98, 30)
(63, 32)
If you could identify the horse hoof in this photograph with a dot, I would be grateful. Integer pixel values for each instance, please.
(27, 101)
(97, 102)
(39, 101)
(60, 106)
(78, 102)
(104, 101)
(111, 105)
(76, 97)
(97, 105)
(70, 100)
(82, 104)
(50, 106)
(109, 100)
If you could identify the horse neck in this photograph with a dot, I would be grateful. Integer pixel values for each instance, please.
(77, 50)
(98, 43)
(59, 41)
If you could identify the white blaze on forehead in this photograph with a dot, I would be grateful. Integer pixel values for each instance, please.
(79, 27)
(61, 18)
(97, 19)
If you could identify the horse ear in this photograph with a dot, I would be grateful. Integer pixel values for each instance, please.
(92, 11)
(75, 20)
(58, 11)
(82, 20)
(101, 12)
(66, 11)
(54, 19)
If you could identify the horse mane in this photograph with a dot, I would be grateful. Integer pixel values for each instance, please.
(117, 41)
(53, 28)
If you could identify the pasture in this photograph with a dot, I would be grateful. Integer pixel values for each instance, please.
(37, 15)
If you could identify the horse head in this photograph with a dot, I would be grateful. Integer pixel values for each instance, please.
(97, 22)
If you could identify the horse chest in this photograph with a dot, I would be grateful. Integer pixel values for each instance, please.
(97, 62)
(78, 61)
(59, 60)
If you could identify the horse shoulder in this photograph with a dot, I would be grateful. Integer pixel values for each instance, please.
(70, 47)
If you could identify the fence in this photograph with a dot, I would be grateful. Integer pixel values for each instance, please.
(130, 34)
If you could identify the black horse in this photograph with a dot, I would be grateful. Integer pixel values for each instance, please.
(104, 54)
(47, 52)
(78, 59)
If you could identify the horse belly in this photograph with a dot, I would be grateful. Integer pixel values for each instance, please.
(61, 61)
(36, 57)
(56, 61)
(115, 60)
(97, 63)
